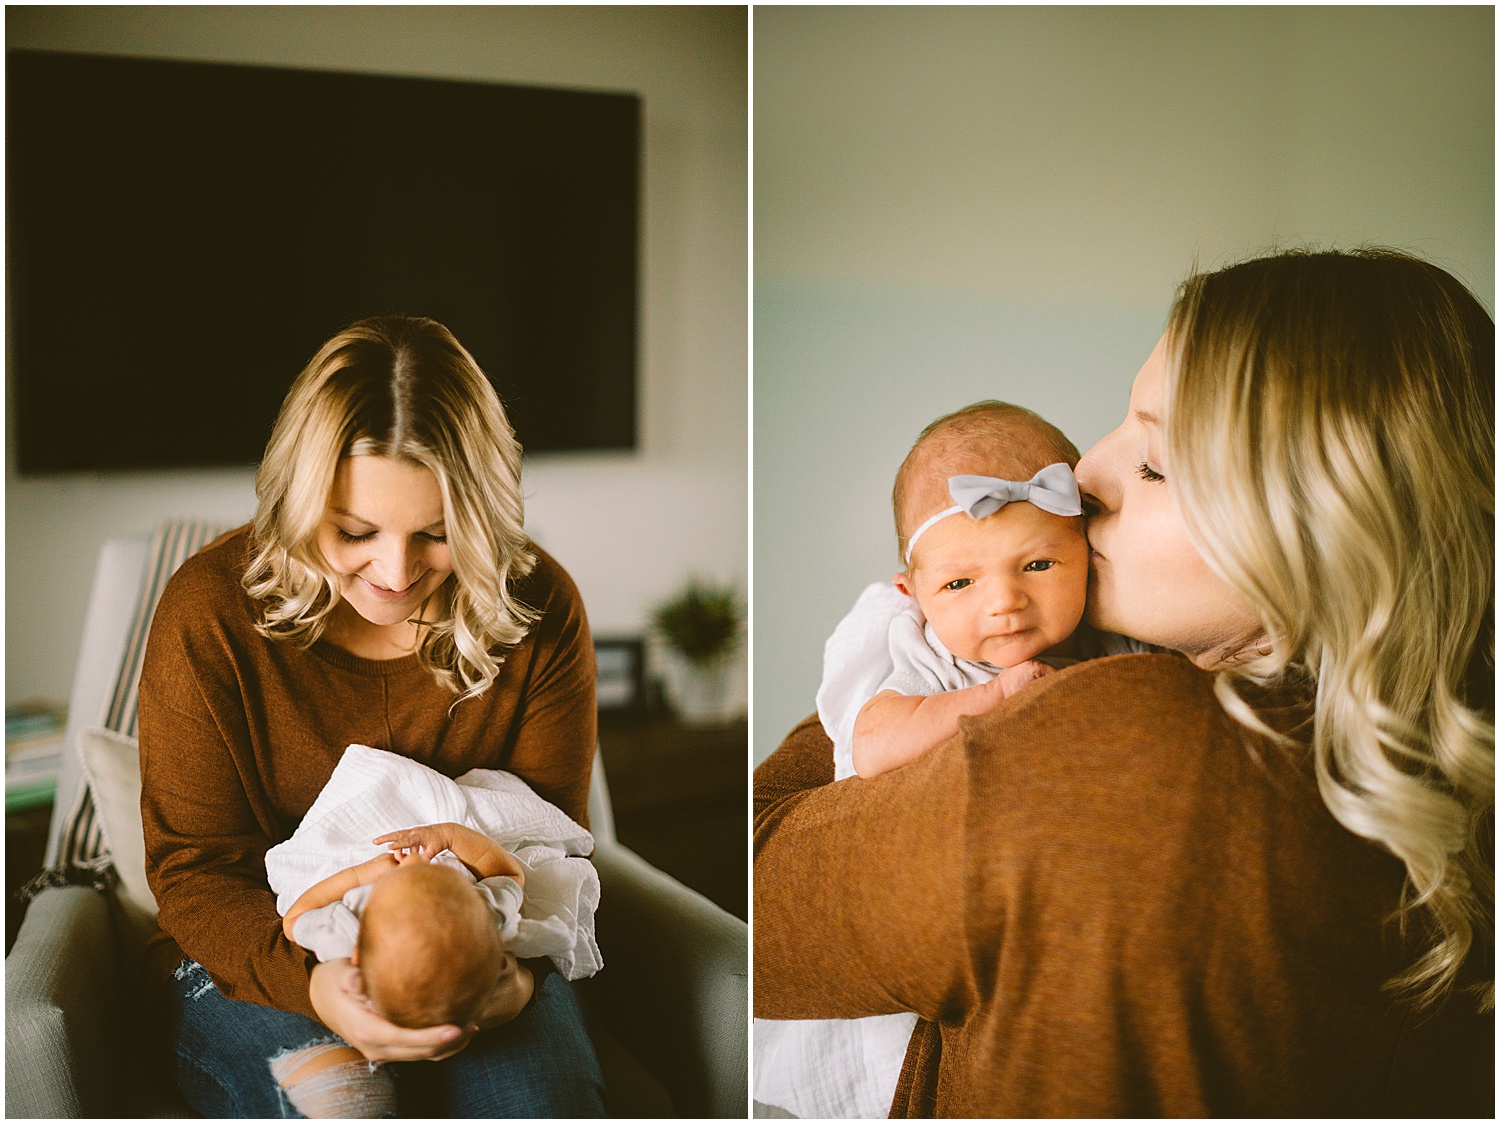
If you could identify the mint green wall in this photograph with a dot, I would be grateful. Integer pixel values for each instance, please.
(961, 203)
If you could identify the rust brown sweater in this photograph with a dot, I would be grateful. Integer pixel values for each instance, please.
(1101, 905)
(240, 733)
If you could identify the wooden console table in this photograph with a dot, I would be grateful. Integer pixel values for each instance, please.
(681, 798)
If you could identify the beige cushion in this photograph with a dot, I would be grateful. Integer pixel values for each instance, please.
(112, 763)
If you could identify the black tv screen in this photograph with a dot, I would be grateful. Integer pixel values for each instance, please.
(183, 236)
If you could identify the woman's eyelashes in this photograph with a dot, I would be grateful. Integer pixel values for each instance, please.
(1146, 472)
(368, 535)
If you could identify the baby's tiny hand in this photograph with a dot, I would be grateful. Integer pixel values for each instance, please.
(427, 840)
(372, 869)
(1012, 679)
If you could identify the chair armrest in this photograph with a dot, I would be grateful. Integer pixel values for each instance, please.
(674, 984)
(61, 989)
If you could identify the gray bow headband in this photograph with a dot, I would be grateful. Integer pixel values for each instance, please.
(1053, 489)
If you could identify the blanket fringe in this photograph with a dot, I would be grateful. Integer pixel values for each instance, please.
(97, 874)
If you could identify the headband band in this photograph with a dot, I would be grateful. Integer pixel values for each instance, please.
(1053, 489)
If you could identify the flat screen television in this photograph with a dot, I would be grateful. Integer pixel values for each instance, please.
(183, 236)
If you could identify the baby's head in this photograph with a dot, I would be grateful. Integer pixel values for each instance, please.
(429, 949)
(1011, 585)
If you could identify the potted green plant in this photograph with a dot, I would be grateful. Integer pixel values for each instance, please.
(700, 628)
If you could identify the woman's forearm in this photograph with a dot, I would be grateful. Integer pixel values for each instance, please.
(205, 853)
(230, 925)
(859, 902)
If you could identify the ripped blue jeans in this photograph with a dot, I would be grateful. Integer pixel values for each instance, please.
(541, 1064)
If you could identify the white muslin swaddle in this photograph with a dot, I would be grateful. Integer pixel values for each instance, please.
(372, 792)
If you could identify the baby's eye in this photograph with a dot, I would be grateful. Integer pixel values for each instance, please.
(959, 583)
(1040, 565)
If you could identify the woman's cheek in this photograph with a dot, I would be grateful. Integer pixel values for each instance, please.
(340, 557)
(1140, 577)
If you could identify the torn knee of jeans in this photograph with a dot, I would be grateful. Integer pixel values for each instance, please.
(191, 967)
(332, 1080)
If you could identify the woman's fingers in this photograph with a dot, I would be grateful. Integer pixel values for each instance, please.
(383, 1041)
(427, 1049)
(337, 993)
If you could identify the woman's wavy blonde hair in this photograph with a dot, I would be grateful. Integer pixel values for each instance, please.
(400, 387)
(1331, 430)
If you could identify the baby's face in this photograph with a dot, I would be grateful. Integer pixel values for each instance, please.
(1004, 588)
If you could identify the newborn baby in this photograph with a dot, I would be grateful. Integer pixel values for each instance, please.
(429, 951)
(429, 954)
(438, 924)
(989, 526)
(990, 533)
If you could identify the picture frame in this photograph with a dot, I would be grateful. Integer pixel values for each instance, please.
(620, 674)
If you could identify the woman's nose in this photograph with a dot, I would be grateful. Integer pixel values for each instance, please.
(399, 567)
(1095, 487)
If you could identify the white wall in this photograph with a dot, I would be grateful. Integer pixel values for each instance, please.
(630, 528)
(963, 203)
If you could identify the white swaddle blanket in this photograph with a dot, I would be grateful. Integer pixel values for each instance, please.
(372, 792)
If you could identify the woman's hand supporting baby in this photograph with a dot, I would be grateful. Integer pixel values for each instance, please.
(337, 994)
(893, 730)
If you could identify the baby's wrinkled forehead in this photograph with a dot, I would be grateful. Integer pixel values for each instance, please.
(1013, 450)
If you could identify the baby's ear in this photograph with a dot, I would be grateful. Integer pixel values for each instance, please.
(902, 582)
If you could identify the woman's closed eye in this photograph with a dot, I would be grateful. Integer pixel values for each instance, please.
(1146, 472)
(368, 535)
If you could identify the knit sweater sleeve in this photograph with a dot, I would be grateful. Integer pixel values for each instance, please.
(557, 722)
(844, 871)
(206, 821)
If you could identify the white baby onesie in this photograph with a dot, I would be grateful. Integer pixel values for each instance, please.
(922, 665)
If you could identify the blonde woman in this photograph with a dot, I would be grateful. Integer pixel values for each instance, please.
(385, 594)
(1251, 876)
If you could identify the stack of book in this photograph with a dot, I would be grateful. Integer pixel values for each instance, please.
(34, 743)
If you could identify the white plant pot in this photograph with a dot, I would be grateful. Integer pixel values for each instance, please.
(699, 693)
